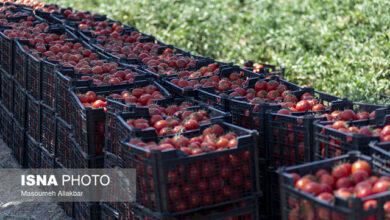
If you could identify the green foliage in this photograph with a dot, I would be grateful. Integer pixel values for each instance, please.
(338, 46)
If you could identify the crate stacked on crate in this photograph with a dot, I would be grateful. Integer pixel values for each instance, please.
(106, 72)
(360, 190)
(215, 76)
(192, 180)
(289, 139)
(88, 109)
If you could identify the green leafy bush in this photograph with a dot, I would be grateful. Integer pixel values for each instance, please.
(338, 46)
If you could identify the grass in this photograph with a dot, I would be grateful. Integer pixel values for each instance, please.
(338, 46)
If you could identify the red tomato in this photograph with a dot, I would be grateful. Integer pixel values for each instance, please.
(339, 124)
(326, 197)
(160, 125)
(381, 186)
(347, 115)
(343, 182)
(342, 170)
(191, 124)
(222, 143)
(361, 165)
(370, 204)
(302, 106)
(155, 118)
(301, 183)
(312, 188)
(359, 176)
(91, 96)
(318, 107)
(99, 104)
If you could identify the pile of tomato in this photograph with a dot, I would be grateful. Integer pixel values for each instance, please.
(345, 180)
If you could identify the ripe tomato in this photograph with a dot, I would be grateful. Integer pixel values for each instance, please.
(217, 129)
(339, 124)
(363, 191)
(359, 176)
(191, 124)
(260, 85)
(99, 104)
(347, 115)
(318, 107)
(284, 112)
(137, 92)
(343, 193)
(302, 182)
(342, 170)
(326, 197)
(343, 182)
(385, 131)
(327, 179)
(232, 143)
(272, 85)
(370, 204)
(381, 186)
(160, 125)
(222, 143)
(361, 165)
(321, 172)
(91, 96)
(312, 188)
(302, 106)
(155, 118)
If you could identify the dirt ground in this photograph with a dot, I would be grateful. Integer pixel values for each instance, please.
(24, 210)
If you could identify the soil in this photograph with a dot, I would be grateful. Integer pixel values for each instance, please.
(19, 210)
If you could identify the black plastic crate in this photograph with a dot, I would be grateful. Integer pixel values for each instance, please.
(68, 208)
(113, 107)
(48, 128)
(66, 79)
(109, 213)
(20, 66)
(33, 153)
(80, 160)
(48, 83)
(48, 160)
(20, 104)
(177, 175)
(242, 209)
(268, 70)
(19, 142)
(7, 48)
(119, 105)
(252, 116)
(290, 138)
(87, 211)
(123, 130)
(179, 91)
(7, 90)
(380, 110)
(34, 76)
(209, 96)
(89, 123)
(380, 152)
(63, 85)
(7, 128)
(300, 205)
(329, 142)
(63, 144)
(33, 120)
(112, 161)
